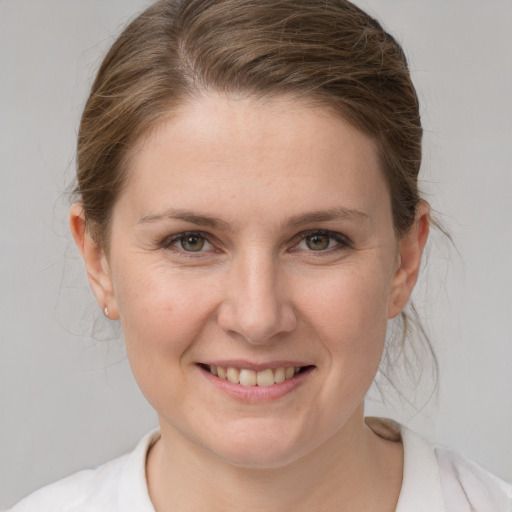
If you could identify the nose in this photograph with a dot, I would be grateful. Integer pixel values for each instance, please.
(255, 305)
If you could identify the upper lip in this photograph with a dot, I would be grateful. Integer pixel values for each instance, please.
(255, 366)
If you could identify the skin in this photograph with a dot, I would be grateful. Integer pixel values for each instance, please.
(253, 180)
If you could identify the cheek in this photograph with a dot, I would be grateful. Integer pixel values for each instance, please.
(163, 316)
(349, 312)
(162, 311)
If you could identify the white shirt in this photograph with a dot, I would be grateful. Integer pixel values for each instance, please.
(434, 480)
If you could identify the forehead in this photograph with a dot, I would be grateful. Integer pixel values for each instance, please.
(279, 150)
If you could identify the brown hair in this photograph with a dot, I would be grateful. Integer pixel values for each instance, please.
(330, 52)
(326, 51)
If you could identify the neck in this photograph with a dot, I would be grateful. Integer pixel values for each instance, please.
(353, 470)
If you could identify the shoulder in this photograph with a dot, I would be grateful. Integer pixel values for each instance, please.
(117, 485)
(437, 479)
(464, 481)
(76, 492)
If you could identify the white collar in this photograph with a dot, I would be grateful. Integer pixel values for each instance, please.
(421, 486)
(134, 494)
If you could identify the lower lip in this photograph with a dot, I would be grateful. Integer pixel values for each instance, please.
(255, 394)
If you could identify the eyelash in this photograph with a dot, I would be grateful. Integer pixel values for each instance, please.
(170, 242)
(342, 242)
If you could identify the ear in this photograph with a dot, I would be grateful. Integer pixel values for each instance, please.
(96, 263)
(409, 259)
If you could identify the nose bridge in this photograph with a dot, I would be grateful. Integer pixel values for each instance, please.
(255, 304)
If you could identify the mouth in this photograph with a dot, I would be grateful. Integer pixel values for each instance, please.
(248, 377)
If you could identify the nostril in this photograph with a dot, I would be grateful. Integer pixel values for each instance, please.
(256, 324)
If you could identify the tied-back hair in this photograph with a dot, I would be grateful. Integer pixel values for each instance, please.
(329, 53)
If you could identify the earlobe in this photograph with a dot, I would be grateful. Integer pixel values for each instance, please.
(409, 260)
(96, 263)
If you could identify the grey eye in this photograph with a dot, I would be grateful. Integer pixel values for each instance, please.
(192, 243)
(318, 242)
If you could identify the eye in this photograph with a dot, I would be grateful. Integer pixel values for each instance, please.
(188, 242)
(192, 243)
(318, 242)
(322, 241)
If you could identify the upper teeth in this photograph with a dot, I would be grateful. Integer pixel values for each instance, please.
(252, 378)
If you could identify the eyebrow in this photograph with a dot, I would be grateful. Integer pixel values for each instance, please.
(293, 222)
(326, 215)
(186, 216)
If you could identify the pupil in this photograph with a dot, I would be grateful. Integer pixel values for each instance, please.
(317, 242)
(192, 243)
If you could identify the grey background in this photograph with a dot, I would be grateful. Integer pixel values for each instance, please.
(67, 399)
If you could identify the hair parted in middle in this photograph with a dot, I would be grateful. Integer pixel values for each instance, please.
(327, 53)
(330, 53)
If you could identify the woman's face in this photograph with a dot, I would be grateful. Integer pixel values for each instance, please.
(253, 238)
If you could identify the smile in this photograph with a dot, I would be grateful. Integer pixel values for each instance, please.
(246, 377)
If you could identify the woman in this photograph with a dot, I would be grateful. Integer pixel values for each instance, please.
(247, 207)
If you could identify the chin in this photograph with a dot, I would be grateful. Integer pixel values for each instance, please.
(258, 445)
